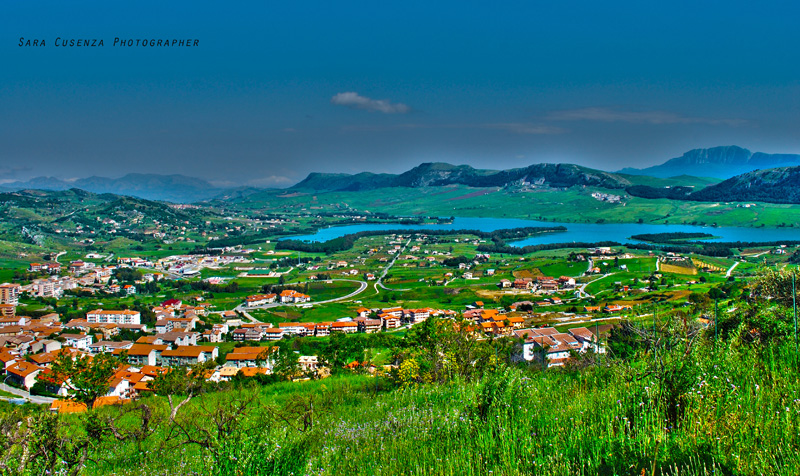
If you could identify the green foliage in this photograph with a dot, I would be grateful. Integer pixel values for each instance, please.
(85, 378)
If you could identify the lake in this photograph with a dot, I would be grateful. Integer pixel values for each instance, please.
(580, 232)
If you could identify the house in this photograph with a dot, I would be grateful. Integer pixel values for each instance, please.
(248, 334)
(308, 363)
(566, 281)
(415, 316)
(185, 323)
(7, 358)
(14, 321)
(588, 340)
(224, 374)
(290, 295)
(273, 333)
(263, 357)
(178, 338)
(393, 311)
(143, 354)
(126, 316)
(8, 310)
(212, 335)
(390, 321)
(346, 327)
(504, 283)
(9, 293)
(23, 373)
(78, 341)
(189, 355)
(163, 326)
(109, 346)
(522, 284)
(322, 329)
(295, 328)
(369, 326)
(549, 345)
(363, 312)
(260, 299)
(172, 303)
(45, 345)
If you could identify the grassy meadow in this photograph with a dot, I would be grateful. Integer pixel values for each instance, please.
(729, 409)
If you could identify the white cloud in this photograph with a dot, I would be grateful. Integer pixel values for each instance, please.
(356, 101)
(601, 114)
(524, 128)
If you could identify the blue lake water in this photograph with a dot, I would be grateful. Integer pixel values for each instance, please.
(576, 232)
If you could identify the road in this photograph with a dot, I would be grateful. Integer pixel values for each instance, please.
(582, 288)
(386, 270)
(26, 395)
(730, 270)
(362, 285)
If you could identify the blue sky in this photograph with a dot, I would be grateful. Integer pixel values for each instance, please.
(276, 90)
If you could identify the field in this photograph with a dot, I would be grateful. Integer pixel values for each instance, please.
(566, 206)
(510, 422)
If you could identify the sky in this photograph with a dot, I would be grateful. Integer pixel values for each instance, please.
(275, 90)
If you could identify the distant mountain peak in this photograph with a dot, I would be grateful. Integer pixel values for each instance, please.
(173, 188)
(721, 162)
(431, 174)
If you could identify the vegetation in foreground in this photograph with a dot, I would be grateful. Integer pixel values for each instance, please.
(673, 399)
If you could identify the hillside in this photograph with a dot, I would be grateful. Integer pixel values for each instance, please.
(442, 174)
(778, 185)
(39, 216)
(173, 188)
(721, 162)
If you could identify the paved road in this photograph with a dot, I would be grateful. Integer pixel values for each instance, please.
(582, 288)
(362, 285)
(730, 270)
(26, 395)
(59, 255)
(386, 270)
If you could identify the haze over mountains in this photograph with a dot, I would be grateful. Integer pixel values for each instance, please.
(440, 174)
(719, 162)
(171, 188)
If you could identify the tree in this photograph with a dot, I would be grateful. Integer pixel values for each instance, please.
(84, 378)
(286, 363)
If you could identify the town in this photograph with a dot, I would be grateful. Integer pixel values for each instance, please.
(160, 311)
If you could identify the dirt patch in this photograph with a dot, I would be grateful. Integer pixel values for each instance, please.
(528, 273)
(453, 189)
(290, 195)
(671, 268)
(471, 195)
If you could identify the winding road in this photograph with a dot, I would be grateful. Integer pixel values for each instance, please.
(386, 270)
(362, 285)
(730, 270)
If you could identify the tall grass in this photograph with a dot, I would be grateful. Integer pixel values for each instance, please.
(738, 413)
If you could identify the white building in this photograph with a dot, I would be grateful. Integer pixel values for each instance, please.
(126, 316)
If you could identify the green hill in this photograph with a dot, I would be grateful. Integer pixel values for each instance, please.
(442, 174)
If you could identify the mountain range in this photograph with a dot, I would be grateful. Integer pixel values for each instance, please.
(719, 162)
(171, 188)
(440, 174)
(777, 185)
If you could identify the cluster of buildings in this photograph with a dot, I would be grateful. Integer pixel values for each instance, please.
(191, 265)
(554, 348)
(287, 296)
(539, 284)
